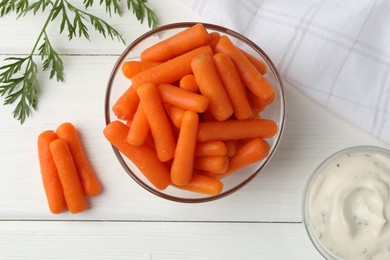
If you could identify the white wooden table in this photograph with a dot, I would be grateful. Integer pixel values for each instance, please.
(261, 221)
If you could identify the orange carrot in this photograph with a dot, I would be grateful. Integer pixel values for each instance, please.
(175, 114)
(177, 44)
(236, 129)
(125, 107)
(139, 128)
(50, 179)
(207, 116)
(212, 148)
(250, 76)
(231, 146)
(91, 184)
(158, 121)
(258, 104)
(233, 85)
(251, 152)
(183, 98)
(188, 82)
(143, 156)
(215, 164)
(170, 71)
(130, 68)
(203, 184)
(214, 39)
(211, 87)
(259, 65)
(73, 190)
(182, 166)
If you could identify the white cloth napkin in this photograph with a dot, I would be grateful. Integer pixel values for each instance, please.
(336, 52)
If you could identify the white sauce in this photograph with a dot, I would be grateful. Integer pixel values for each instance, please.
(349, 206)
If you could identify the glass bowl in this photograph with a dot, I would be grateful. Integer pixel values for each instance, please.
(118, 83)
(340, 203)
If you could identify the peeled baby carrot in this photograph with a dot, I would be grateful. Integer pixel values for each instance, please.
(188, 82)
(125, 107)
(130, 68)
(257, 103)
(214, 39)
(259, 65)
(183, 98)
(50, 179)
(211, 87)
(143, 156)
(182, 166)
(203, 184)
(233, 85)
(212, 148)
(139, 128)
(177, 44)
(175, 114)
(231, 146)
(251, 152)
(73, 190)
(236, 129)
(91, 184)
(158, 121)
(170, 71)
(215, 164)
(250, 76)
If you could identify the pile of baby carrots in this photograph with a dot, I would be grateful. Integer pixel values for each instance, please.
(67, 175)
(191, 115)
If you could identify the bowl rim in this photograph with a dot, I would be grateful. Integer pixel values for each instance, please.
(213, 27)
(320, 247)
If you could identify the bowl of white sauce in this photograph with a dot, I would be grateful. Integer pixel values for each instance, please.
(346, 205)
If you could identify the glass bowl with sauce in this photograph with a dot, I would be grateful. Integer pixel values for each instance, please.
(346, 206)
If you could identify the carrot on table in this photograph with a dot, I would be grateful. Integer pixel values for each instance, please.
(214, 39)
(89, 180)
(233, 85)
(143, 156)
(175, 114)
(188, 82)
(170, 71)
(212, 148)
(139, 128)
(50, 179)
(182, 98)
(177, 44)
(250, 76)
(210, 85)
(259, 65)
(70, 181)
(231, 146)
(215, 164)
(158, 121)
(203, 184)
(126, 105)
(132, 67)
(182, 166)
(236, 129)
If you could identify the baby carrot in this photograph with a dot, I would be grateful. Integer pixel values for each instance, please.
(233, 85)
(91, 184)
(259, 65)
(125, 107)
(171, 70)
(211, 87)
(250, 76)
(183, 98)
(188, 82)
(158, 121)
(139, 128)
(143, 156)
(214, 39)
(212, 148)
(50, 179)
(258, 104)
(73, 190)
(236, 129)
(231, 146)
(215, 164)
(130, 68)
(203, 184)
(177, 44)
(182, 166)
(175, 114)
